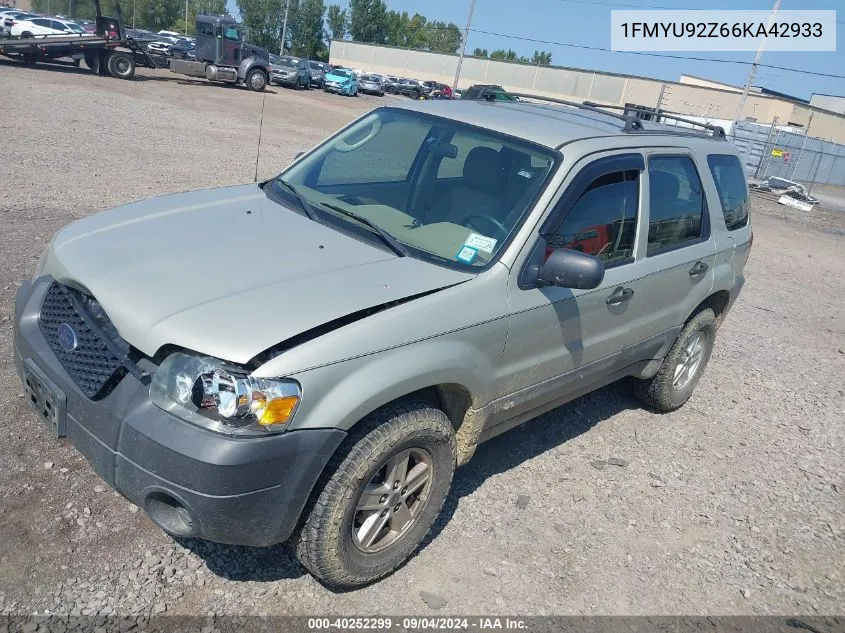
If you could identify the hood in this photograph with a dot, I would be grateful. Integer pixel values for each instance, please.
(249, 50)
(337, 78)
(228, 272)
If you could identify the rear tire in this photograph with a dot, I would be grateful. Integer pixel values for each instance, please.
(26, 34)
(121, 65)
(670, 388)
(334, 543)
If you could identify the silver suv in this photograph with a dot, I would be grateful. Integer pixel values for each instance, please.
(310, 358)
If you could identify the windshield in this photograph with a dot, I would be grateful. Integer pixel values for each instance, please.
(448, 192)
(370, 78)
(75, 28)
(340, 72)
(287, 62)
(316, 66)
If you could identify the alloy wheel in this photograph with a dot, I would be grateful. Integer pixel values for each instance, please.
(690, 361)
(393, 499)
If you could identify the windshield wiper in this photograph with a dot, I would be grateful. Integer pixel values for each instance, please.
(394, 244)
(303, 202)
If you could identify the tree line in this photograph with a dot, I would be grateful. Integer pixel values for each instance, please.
(539, 58)
(311, 25)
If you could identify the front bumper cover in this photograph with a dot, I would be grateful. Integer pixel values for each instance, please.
(246, 491)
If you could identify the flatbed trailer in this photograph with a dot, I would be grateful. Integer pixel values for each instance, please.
(106, 52)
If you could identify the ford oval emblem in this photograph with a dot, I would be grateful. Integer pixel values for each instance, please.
(67, 337)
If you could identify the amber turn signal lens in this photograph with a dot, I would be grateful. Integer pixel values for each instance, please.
(278, 410)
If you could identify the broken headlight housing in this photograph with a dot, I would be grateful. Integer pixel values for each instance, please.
(223, 397)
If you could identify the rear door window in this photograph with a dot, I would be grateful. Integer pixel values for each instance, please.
(733, 190)
(676, 204)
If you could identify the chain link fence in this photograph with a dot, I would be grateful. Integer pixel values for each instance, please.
(769, 150)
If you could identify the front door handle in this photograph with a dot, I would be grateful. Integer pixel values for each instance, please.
(698, 269)
(619, 295)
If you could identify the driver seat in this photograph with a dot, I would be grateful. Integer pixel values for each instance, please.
(479, 192)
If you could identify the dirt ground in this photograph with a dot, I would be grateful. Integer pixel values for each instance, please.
(734, 504)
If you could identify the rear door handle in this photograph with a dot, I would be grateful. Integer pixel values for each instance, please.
(619, 295)
(698, 269)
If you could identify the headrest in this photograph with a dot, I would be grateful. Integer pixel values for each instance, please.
(483, 170)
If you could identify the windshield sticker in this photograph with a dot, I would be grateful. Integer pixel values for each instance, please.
(524, 173)
(466, 254)
(481, 242)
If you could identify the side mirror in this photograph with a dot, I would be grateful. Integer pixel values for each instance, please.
(571, 269)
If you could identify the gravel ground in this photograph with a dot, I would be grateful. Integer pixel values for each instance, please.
(732, 505)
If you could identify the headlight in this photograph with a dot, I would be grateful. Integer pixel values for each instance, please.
(222, 397)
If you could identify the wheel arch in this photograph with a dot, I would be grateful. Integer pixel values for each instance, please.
(453, 376)
(718, 301)
(251, 63)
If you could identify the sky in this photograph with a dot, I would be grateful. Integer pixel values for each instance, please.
(587, 22)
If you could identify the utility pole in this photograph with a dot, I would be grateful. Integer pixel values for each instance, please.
(753, 72)
(284, 28)
(133, 14)
(464, 45)
(186, 18)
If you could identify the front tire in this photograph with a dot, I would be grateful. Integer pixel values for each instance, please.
(256, 80)
(380, 495)
(683, 366)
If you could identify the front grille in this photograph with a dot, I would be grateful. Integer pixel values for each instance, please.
(92, 362)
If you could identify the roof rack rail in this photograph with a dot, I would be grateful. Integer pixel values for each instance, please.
(716, 130)
(632, 123)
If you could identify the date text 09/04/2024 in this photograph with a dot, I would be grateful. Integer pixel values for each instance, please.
(416, 623)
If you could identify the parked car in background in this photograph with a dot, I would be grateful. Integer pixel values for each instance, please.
(371, 84)
(88, 26)
(342, 81)
(440, 91)
(45, 26)
(413, 88)
(9, 18)
(390, 84)
(184, 49)
(290, 71)
(318, 72)
(159, 47)
(141, 35)
(487, 92)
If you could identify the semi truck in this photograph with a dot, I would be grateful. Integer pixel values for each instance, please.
(223, 56)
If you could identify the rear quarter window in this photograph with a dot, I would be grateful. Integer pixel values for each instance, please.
(732, 187)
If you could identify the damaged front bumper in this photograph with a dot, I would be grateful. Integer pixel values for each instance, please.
(190, 481)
